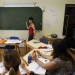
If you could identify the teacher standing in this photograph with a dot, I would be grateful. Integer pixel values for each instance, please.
(31, 29)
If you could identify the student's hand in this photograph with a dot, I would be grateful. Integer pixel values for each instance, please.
(34, 56)
(4, 71)
(38, 53)
(51, 58)
(22, 65)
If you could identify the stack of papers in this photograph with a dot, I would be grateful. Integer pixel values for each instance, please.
(49, 46)
(13, 41)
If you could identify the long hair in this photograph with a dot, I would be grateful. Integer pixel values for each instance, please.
(11, 61)
(60, 50)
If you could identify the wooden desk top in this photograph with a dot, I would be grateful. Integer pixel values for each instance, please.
(25, 58)
(34, 45)
(49, 37)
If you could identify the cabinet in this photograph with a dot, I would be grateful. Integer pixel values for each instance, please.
(69, 25)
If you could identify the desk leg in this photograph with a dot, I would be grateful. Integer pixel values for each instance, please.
(0, 56)
(25, 46)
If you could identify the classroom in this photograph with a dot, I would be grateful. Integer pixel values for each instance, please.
(40, 35)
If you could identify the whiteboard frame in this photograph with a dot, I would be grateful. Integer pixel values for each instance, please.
(32, 4)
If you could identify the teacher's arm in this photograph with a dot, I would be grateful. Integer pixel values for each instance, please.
(27, 25)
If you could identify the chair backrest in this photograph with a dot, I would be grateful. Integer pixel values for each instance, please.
(14, 37)
(44, 40)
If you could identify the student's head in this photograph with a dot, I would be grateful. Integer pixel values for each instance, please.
(30, 19)
(59, 47)
(11, 61)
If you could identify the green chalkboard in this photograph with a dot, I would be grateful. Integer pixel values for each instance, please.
(14, 18)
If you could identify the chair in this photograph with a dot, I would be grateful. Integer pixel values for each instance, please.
(8, 47)
(44, 40)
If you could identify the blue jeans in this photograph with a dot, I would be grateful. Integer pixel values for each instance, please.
(30, 37)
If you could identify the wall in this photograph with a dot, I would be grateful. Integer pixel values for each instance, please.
(59, 7)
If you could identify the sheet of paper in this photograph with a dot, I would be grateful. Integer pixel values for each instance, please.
(43, 60)
(1, 67)
(13, 41)
(54, 16)
(36, 68)
(22, 71)
(47, 25)
(47, 50)
(49, 46)
(54, 21)
(50, 10)
(47, 20)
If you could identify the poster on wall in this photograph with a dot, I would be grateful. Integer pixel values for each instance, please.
(54, 18)
(51, 10)
(47, 23)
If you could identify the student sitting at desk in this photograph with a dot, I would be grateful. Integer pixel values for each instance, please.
(11, 61)
(61, 62)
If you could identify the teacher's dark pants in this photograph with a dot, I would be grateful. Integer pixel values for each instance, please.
(30, 37)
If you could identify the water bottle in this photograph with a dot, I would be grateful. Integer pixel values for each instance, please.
(29, 58)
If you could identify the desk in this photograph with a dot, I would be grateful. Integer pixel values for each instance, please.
(52, 39)
(12, 42)
(33, 45)
(25, 58)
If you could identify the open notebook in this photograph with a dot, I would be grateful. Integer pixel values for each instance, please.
(36, 68)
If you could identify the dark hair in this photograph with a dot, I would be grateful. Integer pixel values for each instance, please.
(11, 61)
(60, 50)
(31, 18)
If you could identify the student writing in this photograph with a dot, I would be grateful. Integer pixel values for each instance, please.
(61, 62)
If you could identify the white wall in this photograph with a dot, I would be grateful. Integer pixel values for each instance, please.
(59, 7)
